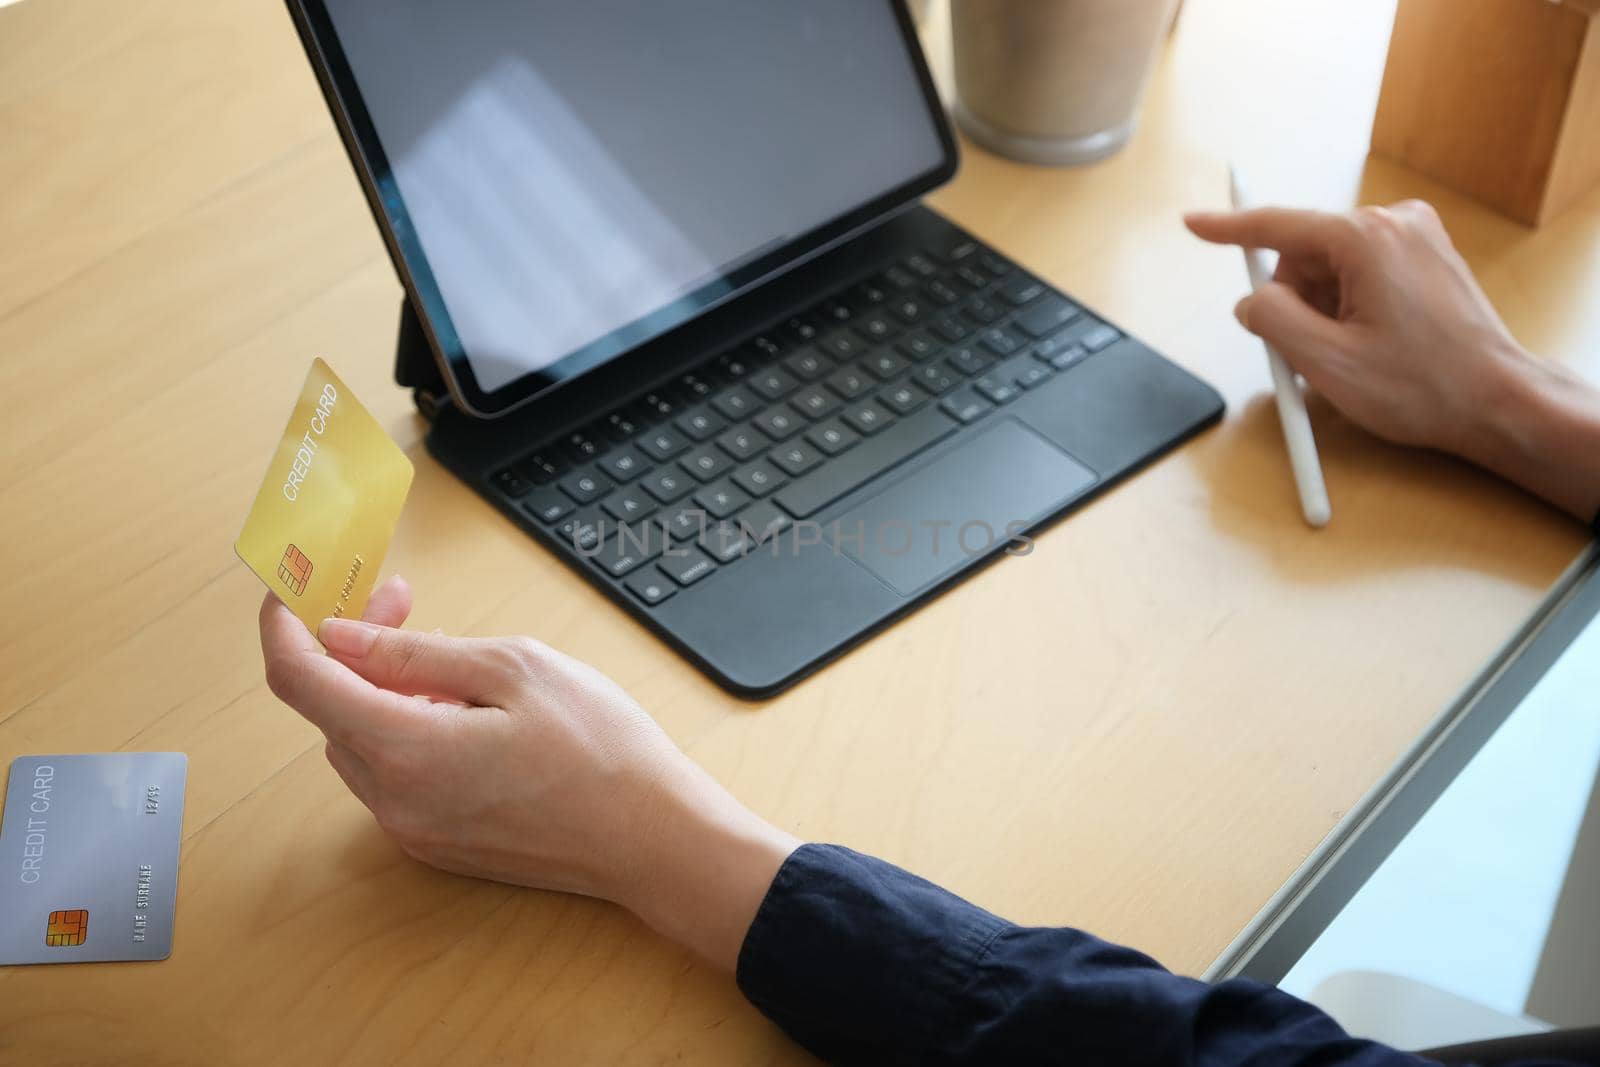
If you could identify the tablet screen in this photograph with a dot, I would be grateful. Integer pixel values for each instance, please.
(581, 177)
(1489, 901)
(1467, 906)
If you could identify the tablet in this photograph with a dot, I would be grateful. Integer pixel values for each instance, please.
(559, 183)
(1467, 883)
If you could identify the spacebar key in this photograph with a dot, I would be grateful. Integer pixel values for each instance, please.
(805, 496)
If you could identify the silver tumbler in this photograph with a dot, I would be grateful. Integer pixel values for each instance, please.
(1054, 81)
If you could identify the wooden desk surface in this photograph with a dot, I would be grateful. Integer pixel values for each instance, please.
(1142, 728)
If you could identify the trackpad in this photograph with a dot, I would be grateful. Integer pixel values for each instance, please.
(967, 503)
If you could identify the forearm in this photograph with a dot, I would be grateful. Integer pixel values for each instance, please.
(1541, 430)
(702, 866)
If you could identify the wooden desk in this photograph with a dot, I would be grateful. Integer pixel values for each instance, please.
(1142, 728)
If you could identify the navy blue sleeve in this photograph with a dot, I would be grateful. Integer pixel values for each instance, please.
(862, 962)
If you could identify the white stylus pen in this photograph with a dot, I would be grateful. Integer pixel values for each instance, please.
(1291, 402)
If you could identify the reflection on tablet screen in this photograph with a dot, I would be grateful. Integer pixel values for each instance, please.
(1484, 920)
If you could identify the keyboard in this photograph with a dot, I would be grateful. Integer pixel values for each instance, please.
(709, 466)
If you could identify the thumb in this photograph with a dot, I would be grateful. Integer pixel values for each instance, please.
(1277, 314)
(473, 670)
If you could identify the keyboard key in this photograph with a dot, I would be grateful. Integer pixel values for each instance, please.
(694, 387)
(961, 250)
(547, 505)
(659, 405)
(761, 522)
(919, 346)
(849, 383)
(806, 496)
(650, 587)
(620, 427)
(741, 442)
(627, 547)
(668, 484)
(832, 436)
(982, 310)
(995, 263)
(885, 365)
(943, 294)
(585, 485)
(801, 330)
(1102, 336)
(969, 361)
(870, 296)
(701, 423)
(773, 383)
(541, 468)
(936, 378)
(1052, 346)
(951, 328)
(628, 505)
(662, 445)
(843, 346)
(624, 464)
(780, 422)
(722, 498)
(1020, 290)
(797, 457)
(581, 530)
(765, 347)
(972, 276)
(900, 278)
(1046, 317)
(733, 366)
(736, 402)
(997, 390)
(758, 479)
(999, 342)
(1033, 376)
(683, 525)
(685, 566)
(876, 327)
(511, 483)
(867, 418)
(956, 285)
(1065, 356)
(921, 264)
(868, 293)
(706, 463)
(808, 364)
(904, 398)
(909, 310)
(724, 540)
(814, 401)
(966, 405)
(836, 311)
(580, 447)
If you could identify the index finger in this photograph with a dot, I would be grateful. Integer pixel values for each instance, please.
(1288, 230)
(332, 697)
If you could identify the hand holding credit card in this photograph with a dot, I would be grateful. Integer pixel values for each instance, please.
(322, 521)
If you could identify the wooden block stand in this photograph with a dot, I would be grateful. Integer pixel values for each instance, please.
(1499, 99)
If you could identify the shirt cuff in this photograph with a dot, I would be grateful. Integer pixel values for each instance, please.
(859, 960)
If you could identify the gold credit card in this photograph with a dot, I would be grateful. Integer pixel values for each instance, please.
(322, 521)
